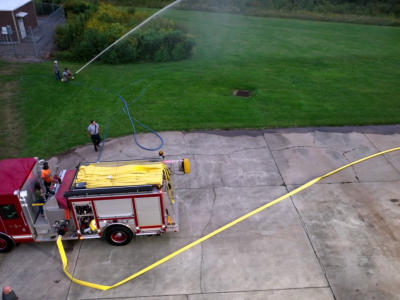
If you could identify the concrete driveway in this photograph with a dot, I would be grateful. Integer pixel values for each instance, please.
(339, 239)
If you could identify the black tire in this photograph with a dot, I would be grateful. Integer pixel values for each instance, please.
(119, 235)
(6, 244)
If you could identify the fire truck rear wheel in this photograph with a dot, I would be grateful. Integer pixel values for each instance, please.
(119, 235)
(6, 244)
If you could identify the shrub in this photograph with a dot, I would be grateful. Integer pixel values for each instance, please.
(141, 3)
(106, 15)
(76, 7)
(86, 34)
(183, 49)
(155, 45)
(123, 52)
(70, 34)
(92, 44)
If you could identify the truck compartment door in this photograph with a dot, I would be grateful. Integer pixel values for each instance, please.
(115, 208)
(148, 210)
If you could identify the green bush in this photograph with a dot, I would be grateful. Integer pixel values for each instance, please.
(76, 7)
(141, 3)
(152, 45)
(159, 46)
(92, 43)
(182, 49)
(86, 34)
(70, 34)
(123, 52)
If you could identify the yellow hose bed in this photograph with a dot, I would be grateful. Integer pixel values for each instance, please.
(107, 175)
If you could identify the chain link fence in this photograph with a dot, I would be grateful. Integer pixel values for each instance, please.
(38, 42)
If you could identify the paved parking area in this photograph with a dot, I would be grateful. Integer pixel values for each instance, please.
(339, 239)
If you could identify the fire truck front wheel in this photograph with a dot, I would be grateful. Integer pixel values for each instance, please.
(6, 243)
(119, 235)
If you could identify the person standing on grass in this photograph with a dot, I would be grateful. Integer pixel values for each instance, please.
(57, 71)
(94, 133)
(8, 294)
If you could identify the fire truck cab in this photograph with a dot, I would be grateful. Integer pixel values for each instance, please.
(114, 200)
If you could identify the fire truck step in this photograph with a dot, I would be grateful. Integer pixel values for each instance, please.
(46, 238)
(41, 225)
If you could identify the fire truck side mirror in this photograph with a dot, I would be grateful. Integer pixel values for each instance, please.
(186, 165)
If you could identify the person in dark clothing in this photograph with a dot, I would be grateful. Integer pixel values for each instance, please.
(9, 294)
(94, 133)
(40, 197)
(57, 71)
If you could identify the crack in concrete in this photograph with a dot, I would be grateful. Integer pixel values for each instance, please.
(212, 210)
(184, 139)
(239, 187)
(352, 167)
(384, 156)
(302, 147)
(256, 233)
(348, 151)
(73, 270)
(330, 148)
(228, 154)
(247, 149)
(314, 139)
(202, 234)
(346, 182)
(212, 293)
(302, 222)
(267, 290)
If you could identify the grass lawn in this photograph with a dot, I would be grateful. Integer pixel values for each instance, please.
(10, 119)
(302, 73)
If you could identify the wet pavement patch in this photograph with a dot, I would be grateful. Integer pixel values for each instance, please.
(69, 245)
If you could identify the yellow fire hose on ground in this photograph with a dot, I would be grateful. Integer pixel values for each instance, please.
(206, 237)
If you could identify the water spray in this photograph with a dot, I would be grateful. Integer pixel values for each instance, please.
(129, 32)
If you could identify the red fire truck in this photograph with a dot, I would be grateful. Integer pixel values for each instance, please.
(115, 200)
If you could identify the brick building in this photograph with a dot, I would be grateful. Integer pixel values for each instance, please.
(16, 17)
